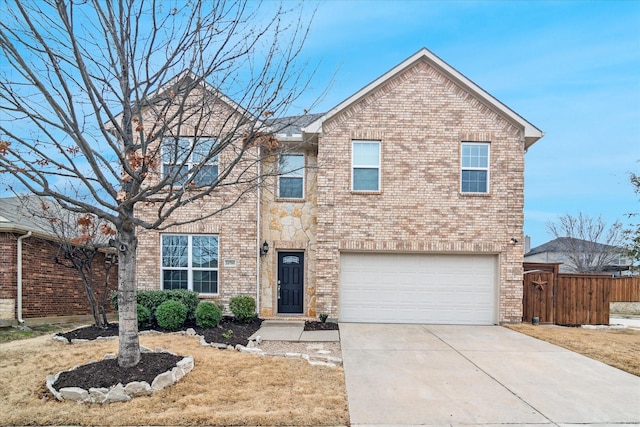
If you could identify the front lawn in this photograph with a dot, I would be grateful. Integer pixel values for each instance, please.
(615, 347)
(225, 388)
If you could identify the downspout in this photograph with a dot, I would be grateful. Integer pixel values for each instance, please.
(258, 273)
(19, 279)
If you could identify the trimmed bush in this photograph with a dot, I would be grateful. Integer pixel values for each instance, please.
(188, 298)
(243, 308)
(152, 300)
(208, 315)
(171, 315)
(144, 315)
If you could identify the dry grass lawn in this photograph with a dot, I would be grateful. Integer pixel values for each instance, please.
(619, 348)
(224, 388)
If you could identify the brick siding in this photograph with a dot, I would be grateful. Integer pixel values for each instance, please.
(421, 118)
(48, 289)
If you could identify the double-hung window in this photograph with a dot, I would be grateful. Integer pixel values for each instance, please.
(185, 159)
(190, 262)
(475, 167)
(365, 165)
(291, 176)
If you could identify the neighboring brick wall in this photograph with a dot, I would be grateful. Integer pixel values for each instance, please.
(421, 118)
(48, 289)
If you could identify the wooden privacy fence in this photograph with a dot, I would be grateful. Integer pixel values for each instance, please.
(573, 299)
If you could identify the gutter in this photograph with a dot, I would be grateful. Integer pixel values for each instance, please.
(19, 278)
(258, 273)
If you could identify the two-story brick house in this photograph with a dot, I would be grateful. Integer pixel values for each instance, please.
(404, 203)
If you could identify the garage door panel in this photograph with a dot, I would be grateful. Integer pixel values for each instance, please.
(418, 288)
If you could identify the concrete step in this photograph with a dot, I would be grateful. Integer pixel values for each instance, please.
(282, 323)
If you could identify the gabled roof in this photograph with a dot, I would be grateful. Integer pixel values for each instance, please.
(561, 243)
(531, 133)
(186, 76)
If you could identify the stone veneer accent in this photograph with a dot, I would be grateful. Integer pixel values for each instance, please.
(289, 225)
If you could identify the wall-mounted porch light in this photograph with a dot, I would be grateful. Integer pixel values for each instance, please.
(264, 248)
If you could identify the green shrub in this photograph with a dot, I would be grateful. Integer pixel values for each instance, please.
(208, 315)
(171, 315)
(144, 315)
(152, 300)
(188, 298)
(323, 317)
(243, 308)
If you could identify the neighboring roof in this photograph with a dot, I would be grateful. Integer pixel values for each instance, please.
(560, 244)
(531, 133)
(15, 217)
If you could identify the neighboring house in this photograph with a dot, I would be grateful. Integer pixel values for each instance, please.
(45, 291)
(403, 204)
(593, 257)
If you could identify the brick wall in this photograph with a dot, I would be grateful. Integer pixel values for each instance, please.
(236, 227)
(421, 118)
(48, 289)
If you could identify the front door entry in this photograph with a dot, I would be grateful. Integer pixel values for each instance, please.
(290, 282)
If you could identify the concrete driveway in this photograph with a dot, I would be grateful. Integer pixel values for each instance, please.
(440, 375)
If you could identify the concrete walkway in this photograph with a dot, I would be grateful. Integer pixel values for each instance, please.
(275, 330)
(441, 375)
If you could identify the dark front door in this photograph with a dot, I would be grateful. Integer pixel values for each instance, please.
(290, 282)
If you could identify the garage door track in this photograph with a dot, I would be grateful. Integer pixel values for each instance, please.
(442, 375)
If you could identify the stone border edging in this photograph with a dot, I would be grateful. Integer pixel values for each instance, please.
(120, 393)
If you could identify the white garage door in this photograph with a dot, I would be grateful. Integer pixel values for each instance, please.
(418, 288)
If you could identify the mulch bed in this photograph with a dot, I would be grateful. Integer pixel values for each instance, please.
(107, 373)
(320, 326)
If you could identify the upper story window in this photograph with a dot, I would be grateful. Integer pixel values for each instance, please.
(291, 176)
(184, 155)
(365, 162)
(475, 167)
(190, 262)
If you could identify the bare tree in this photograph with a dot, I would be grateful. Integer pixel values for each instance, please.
(95, 98)
(633, 233)
(587, 242)
(79, 238)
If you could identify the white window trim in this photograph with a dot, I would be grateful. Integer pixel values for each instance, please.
(363, 166)
(470, 168)
(188, 268)
(298, 173)
(215, 161)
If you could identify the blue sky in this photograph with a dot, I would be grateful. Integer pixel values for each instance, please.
(571, 68)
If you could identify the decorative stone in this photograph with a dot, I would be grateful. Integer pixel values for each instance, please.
(109, 356)
(324, 352)
(190, 332)
(138, 388)
(144, 349)
(163, 380)
(59, 338)
(187, 364)
(74, 393)
(292, 355)
(98, 395)
(117, 394)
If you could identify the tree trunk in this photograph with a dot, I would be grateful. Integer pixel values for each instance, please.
(129, 348)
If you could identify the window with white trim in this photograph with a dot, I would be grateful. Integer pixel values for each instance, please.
(475, 167)
(190, 262)
(291, 176)
(365, 165)
(190, 158)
